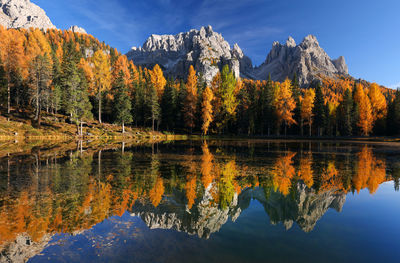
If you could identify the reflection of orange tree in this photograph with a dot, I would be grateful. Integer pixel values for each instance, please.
(305, 171)
(156, 193)
(330, 179)
(283, 172)
(206, 166)
(191, 182)
(371, 171)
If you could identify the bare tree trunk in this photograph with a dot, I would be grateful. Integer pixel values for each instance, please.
(8, 99)
(123, 127)
(99, 105)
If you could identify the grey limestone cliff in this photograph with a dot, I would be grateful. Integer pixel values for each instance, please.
(23, 14)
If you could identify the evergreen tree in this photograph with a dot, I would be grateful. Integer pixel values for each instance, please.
(346, 113)
(3, 85)
(122, 104)
(168, 106)
(40, 77)
(319, 110)
(75, 95)
(393, 116)
(154, 106)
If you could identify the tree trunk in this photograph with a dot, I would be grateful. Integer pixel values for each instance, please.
(310, 127)
(81, 128)
(99, 105)
(8, 99)
(123, 127)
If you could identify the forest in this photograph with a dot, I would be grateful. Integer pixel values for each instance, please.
(61, 72)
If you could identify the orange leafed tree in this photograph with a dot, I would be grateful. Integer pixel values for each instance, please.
(12, 55)
(158, 80)
(206, 166)
(102, 75)
(121, 64)
(378, 102)
(191, 99)
(284, 104)
(365, 119)
(207, 111)
(307, 106)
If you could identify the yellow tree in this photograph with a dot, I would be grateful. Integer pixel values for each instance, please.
(365, 119)
(12, 55)
(206, 166)
(378, 102)
(102, 75)
(191, 99)
(307, 106)
(284, 104)
(207, 111)
(121, 64)
(158, 80)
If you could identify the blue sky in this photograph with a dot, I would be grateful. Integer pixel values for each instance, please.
(366, 33)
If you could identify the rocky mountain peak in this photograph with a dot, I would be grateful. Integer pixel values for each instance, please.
(307, 60)
(205, 49)
(77, 29)
(290, 42)
(23, 14)
(208, 51)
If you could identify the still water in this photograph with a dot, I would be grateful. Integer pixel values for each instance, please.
(194, 201)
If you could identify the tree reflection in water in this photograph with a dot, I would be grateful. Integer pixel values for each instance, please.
(194, 191)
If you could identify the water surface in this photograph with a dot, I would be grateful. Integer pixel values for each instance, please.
(194, 201)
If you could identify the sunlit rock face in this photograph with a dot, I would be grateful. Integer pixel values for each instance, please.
(202, 220)
(307, 60)
(23, 248)
(23, 14)
(77, 29)
(205, 49)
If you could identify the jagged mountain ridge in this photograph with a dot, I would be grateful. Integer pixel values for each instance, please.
(207, 51)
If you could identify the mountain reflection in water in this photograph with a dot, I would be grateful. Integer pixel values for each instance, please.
(192, 187)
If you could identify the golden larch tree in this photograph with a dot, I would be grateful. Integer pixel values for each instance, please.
(102, 75)
(191, 99)
(307, 106)
(158, 79)
(365, 118)
(206, 108)
(284, 104)
(378, 102)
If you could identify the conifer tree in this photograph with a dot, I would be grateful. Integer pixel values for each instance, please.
(284, 105)
(40, 78)
(207, 111)
(319, 110)
(168, 106)
(122, 103)
(3, 84)
(346, 112)
(102, 76)
(393, 116)
(154, 106)
(307, 106)
(190, 100)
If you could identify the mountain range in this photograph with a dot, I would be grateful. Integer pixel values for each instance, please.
(205, 49)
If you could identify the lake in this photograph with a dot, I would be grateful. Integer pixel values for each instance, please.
(202, 201)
